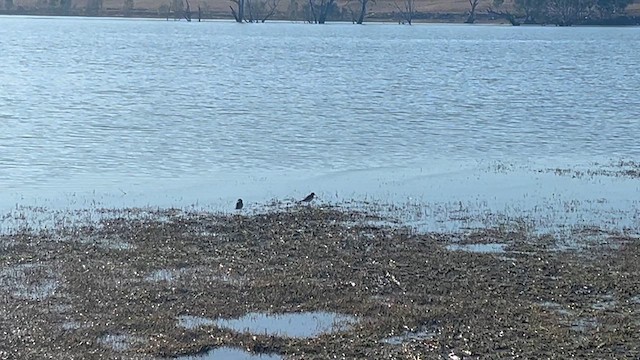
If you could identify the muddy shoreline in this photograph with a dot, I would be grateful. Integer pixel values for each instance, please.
(117, 288)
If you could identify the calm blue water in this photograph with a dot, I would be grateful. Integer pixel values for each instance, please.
(130, 112)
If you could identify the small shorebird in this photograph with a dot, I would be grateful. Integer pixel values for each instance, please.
(309, 197)
(239, 204)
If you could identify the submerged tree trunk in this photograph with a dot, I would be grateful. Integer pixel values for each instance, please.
(406, 12)
(320, 10)
(325, 10)
(270, 7)
(187, 12)
(312, 8)
(363, 11)
(505, 15)
(238, 15)
(472, 14)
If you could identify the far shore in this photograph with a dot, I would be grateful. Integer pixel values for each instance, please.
(482, 17)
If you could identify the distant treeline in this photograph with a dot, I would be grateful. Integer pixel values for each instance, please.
(543, 12)
(565, 12)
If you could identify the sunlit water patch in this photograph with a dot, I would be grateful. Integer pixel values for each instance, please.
(556, 308)
(194, 322)
(583, 324)
(71, 325)
(229, 353)
(605, 302)
(478, 248)
(299, 325)
(119, 341)
(162, 275)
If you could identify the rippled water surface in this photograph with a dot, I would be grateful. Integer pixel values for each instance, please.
(216, 110)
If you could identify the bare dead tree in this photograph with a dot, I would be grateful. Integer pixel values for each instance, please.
(503, 13)
(248, 11)
(357, 16)
(568, 12)
(292, 10)
(271, 6)
(187, 12)
(472, 14)
(407, 11)
(260, 10)
(532, 9)
(238, 15)
(312, 9)
(320, 10)
(178, 9)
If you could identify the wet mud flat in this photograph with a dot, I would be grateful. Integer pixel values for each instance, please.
(314, 282)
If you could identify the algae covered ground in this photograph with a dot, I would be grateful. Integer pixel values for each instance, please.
(155, 284)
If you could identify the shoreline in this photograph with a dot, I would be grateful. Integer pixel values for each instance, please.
(596, 193)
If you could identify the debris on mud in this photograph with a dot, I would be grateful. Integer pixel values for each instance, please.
(123, 287)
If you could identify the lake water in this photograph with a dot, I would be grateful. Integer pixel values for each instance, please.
(115, 112)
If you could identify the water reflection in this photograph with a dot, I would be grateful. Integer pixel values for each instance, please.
(229, 353)
(479, 248)
(302, 325)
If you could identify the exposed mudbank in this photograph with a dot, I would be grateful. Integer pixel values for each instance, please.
(188, 279)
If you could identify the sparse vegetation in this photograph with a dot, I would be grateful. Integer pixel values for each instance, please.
(407, 11)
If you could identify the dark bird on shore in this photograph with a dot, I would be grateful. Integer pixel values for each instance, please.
(239, 204)
(308, 198)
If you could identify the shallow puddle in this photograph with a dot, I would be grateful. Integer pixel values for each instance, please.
(160, 275)
(119, 342)
(557, 308)
(194, 322)
(301, 325)
(29, 281)
(71, 325)
(584, 324)
(605, 302)
(229, 353)
(493, 248)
